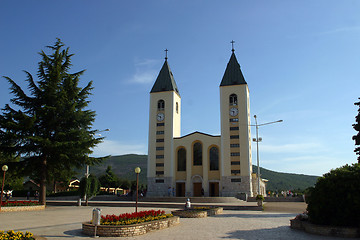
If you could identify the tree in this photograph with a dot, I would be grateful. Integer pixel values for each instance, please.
(50, 128)
(13, 180)
(109, 179)
(89, 186)
(335, 199)
(356, 137)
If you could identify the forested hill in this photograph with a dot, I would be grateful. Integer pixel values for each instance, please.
(124, 166)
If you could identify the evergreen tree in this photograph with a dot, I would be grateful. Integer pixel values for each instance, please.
(50, 128)
(109, 179)
(356, 137)
(13, 180)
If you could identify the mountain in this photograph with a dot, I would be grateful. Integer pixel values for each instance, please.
(124, 165)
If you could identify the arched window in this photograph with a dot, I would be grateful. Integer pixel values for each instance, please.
(181, 159)
(161, 105)
(197, 154)
(233, 100)
(214, 158)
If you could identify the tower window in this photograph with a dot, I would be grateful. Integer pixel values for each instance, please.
(235, 145)
(234, 128)
(234, 136)
(233, 100)
(214, 159)
(177, 107)
(160, 132)
(181, 159)
(197, 154)
(235, 171)
(161, 105)
(234, 154)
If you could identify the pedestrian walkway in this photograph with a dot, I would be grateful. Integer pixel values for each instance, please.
(64, 222)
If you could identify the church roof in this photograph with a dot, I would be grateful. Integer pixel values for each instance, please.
(165, 80)
(233, 74)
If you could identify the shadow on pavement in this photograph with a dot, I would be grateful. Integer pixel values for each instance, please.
(244, 215)
(283, 232)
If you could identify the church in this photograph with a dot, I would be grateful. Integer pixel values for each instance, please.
(200, 164)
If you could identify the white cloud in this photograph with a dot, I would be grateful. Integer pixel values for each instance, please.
(145, 71)
(143, 77)
(340, 30)
(292, 148)
(109, 147)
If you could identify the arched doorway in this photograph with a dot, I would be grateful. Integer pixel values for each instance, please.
(197, 186)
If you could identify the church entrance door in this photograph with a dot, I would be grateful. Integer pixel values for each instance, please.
(214, 189)
(197, 189)
(180, 189)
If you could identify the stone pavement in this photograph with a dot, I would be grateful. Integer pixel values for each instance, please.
(64, 222)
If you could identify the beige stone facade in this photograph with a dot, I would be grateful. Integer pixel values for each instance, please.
(199, 164)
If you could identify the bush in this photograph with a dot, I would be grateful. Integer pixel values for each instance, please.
(260, 197)
(335, 199)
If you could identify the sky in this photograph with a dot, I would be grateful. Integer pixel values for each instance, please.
(301, 60)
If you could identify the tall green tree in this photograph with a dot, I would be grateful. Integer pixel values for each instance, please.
(50, 128)
(109, 179)
(356, 137)
(13, 180)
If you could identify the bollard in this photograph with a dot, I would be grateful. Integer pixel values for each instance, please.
(79, 202)
(96, 216)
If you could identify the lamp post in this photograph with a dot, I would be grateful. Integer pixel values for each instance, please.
(137, 171)
(4, 169)
(87, 173)
(257, 140)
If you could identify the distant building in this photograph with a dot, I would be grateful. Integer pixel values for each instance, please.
(200, 164)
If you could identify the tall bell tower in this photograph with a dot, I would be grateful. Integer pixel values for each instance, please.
(164, 125)
(235, 151)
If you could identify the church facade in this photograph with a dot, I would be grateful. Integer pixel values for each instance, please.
(200, 164)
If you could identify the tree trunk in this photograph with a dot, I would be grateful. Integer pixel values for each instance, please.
(42, 199)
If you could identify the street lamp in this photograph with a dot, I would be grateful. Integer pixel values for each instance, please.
(137, 171)
(87, 173)
(4, 169)
(257, 140)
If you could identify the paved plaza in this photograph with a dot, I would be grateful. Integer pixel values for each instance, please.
(64, 222)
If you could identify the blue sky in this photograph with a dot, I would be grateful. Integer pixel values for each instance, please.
(300, 59)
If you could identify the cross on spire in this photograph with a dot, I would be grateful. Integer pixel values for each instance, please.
(166, 54)
(232, 45)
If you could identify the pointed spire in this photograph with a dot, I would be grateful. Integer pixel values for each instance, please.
(165, 80)
(233, 74)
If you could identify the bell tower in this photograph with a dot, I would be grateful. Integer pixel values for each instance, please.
(236, 164)
(164, 125)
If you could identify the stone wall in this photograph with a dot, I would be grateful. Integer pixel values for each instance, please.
(129, 230)
(233, 189)
(156, 189)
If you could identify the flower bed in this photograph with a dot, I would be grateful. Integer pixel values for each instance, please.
(130, 224)
(198, 212)
(19, 203)
(11, 235)
(133, 218)
(15, 206)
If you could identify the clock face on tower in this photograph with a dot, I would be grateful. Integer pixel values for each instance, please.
(160, 117)
(233, 111)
